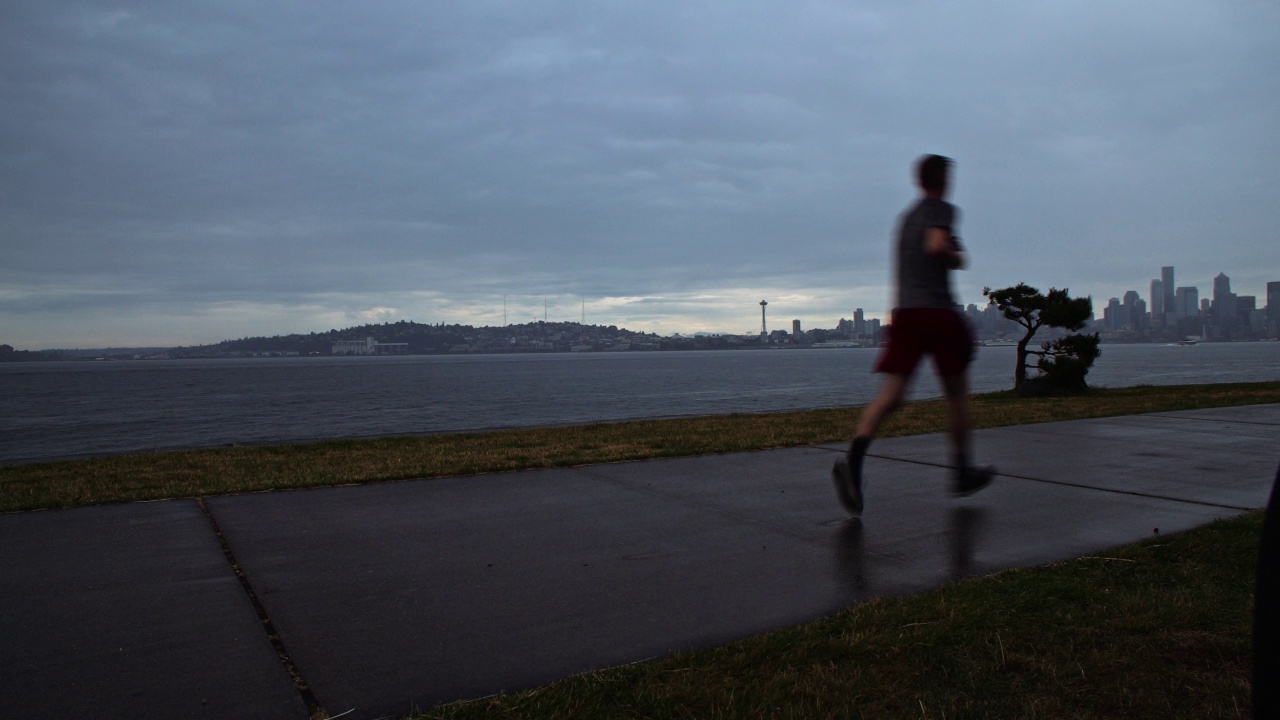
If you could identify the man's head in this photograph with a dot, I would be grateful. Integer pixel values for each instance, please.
(933, 174)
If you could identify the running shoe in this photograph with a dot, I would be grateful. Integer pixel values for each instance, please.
(971, 479)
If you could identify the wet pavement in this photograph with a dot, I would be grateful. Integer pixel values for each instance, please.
(404, 595)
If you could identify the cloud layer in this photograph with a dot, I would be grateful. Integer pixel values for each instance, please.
(174, 174)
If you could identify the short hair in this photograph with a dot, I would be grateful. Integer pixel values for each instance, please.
(931, 172)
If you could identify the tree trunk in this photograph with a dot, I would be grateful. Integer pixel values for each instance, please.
(1020, 367)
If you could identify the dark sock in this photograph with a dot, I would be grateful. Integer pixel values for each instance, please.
(858, 448)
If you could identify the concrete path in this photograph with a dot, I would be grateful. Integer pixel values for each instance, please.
(401, 595)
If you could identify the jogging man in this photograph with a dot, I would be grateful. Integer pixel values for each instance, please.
(924, 322)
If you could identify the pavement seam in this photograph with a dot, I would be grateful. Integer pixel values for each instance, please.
(314, 710)
(1232, 421)
(1082, 486)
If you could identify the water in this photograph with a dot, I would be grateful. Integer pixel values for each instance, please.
(72, 409)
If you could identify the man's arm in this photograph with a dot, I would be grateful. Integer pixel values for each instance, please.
(938, 244)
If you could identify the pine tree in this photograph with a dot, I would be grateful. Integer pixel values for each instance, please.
(1063, 363)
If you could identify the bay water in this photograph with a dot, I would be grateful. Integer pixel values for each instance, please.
(58, 410)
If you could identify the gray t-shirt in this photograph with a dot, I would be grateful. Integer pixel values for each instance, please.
(923, 280)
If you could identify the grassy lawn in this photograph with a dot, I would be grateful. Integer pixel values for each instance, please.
(189, 473)
(1155, 630)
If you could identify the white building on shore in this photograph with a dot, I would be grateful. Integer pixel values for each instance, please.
(368, 346)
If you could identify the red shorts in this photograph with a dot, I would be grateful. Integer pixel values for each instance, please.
(915, 332)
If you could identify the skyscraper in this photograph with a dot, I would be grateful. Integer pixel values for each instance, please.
(1157, 300)
(1273, 308)
(1166, 281)
(1224, 301)
(1112, 314)
(1131, 319)
(1187, 303)
(1221, 286)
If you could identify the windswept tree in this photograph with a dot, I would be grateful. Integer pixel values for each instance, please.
(1064, 362)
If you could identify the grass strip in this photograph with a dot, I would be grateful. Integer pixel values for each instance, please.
(1160, 629)
(218, 471)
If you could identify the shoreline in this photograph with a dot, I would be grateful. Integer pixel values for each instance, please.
(233, 470)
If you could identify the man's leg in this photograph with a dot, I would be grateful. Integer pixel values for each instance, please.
(956, 388)
(888, 400)
(968, 479)
(847, 471)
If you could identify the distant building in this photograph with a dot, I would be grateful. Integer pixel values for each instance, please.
(1221, 286)
(1111, 314)
(1166, 284)
(1132, 319)
(1273, 308)
(368, 346)
(795, 327)
(1186, 302)
(1224, 302)
(1246, 307)
(1157, 299)
(1257, 322)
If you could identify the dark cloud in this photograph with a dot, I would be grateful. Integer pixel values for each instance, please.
(665, 159)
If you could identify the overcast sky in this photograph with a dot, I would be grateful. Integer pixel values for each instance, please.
(183, 173)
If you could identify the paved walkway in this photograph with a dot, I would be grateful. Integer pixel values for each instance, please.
(401, 595)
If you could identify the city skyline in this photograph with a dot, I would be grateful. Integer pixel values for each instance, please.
(856, 317)
(181, 174)
(1172, 310)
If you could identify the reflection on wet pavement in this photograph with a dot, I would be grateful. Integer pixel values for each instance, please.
(966, 525)
(962, 534)
(850, 555)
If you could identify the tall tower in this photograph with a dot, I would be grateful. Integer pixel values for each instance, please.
(1187, 303)
(1166, 281)
(1221, 286)
(763, 329)
(1224, 301)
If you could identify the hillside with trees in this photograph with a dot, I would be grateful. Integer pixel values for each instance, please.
(413, 338)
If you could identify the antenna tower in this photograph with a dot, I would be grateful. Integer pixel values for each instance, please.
(763, 327)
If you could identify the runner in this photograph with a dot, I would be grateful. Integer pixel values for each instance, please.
(924, 322)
